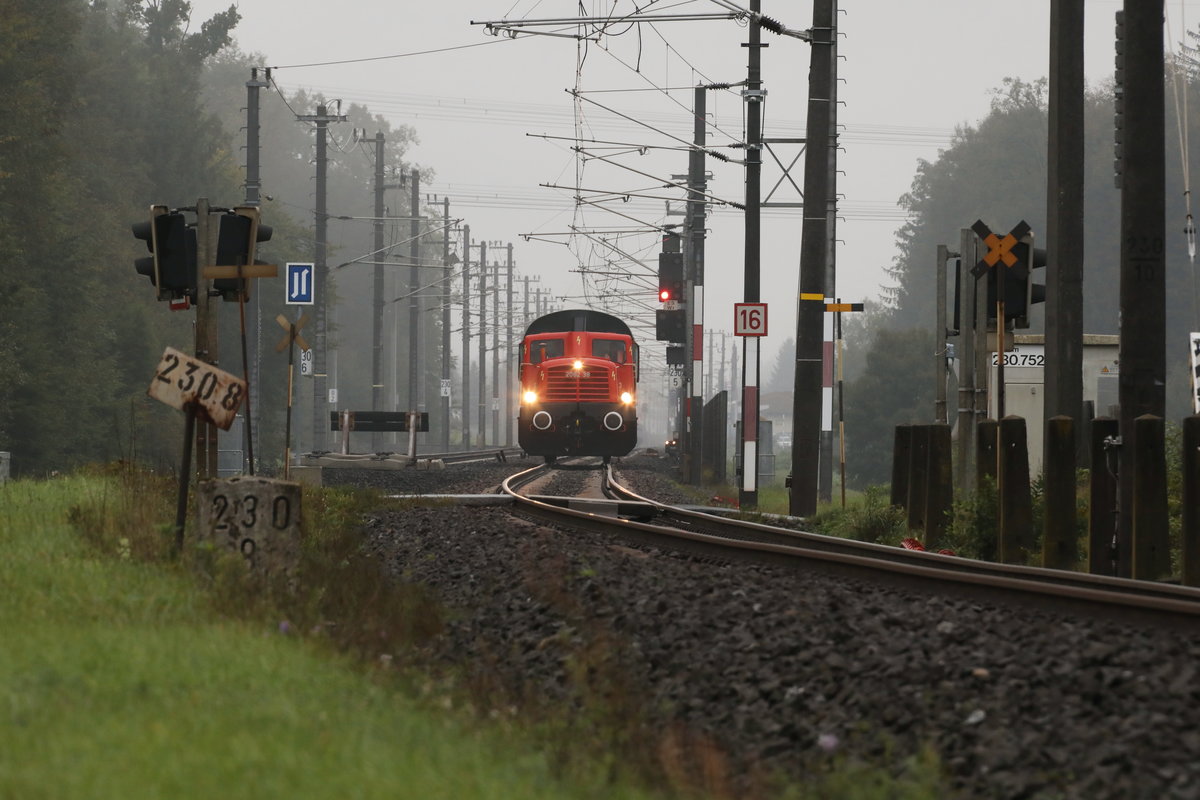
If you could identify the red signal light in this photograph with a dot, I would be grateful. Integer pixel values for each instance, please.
(664, 295)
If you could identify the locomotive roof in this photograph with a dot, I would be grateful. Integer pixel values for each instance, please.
(578, 319)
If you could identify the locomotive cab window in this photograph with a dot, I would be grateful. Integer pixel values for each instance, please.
(542, 349)
(612, 349)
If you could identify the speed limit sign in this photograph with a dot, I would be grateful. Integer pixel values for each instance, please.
(749, 319)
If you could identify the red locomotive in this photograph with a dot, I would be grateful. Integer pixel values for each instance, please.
(578, 379)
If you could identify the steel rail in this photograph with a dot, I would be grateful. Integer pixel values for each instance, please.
(352, 459)
(967, 566)
(1137, 602)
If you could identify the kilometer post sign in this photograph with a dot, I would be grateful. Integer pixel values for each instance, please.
(180, 380)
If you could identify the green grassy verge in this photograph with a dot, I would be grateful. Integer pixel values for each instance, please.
(126, 672)
(118, 680)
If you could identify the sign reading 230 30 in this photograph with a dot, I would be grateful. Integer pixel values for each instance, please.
(181, 380)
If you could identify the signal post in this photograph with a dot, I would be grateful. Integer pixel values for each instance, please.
(184, 268)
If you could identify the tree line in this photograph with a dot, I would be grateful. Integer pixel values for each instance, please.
(113, 106)
(996, 170)
(116, 105)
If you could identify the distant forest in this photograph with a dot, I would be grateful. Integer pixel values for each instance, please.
(996, 170)
(113, 106)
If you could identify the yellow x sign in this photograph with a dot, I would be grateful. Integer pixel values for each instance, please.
(1000, 249)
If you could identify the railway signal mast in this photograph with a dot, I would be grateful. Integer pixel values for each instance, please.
(810, 308)
(218, 247)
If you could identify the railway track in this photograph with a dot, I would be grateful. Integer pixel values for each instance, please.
(808, 657)
(635, 518)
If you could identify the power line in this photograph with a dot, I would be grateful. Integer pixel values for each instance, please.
(387, 57)
(478, 110)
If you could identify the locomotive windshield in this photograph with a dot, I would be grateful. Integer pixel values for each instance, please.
(542, 349)
(612, 349)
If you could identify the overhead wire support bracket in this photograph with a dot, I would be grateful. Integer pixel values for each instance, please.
(619, 195)
(523, 24)
(665, 183)
(768, 23)
(579, 96)
(736, 12)
(600, 204)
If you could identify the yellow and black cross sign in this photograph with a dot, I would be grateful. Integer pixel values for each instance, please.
(999, 248)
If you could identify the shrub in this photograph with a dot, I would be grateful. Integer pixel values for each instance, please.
(873, 519)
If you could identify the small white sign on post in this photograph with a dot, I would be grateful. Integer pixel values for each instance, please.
(749, 319)
(306, 362)
(445, 387)
(180, 380)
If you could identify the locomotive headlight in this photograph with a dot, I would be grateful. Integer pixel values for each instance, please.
(530, 397)
(577, 366)
(626, 398)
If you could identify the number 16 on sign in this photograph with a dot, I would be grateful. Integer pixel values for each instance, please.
(749, 319)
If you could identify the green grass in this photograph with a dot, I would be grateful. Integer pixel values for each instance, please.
(117, 679)
(127, 672)
(772, 498)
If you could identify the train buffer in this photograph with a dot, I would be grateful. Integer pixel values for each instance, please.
(378, 422)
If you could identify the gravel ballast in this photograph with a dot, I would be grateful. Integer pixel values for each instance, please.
(787, 669)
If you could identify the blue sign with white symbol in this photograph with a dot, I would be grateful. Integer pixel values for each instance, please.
(300, 285)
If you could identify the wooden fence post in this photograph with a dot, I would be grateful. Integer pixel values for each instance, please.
(1151, 548)
(918, 477)
(902, 444)
(985, 452)
(940, 477)
(1191, 501)
(1016, 506)
(1058, 471)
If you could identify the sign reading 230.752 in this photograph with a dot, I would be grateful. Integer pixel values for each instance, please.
(180, 380)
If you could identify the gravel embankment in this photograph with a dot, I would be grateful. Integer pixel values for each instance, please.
(787, 670)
